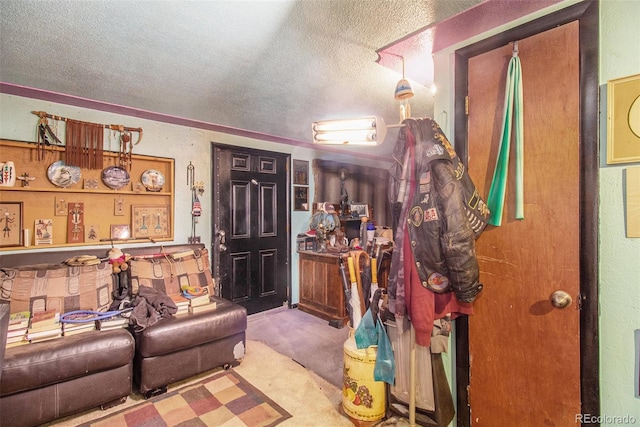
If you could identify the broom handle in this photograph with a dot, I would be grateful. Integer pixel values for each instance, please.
(412, 379)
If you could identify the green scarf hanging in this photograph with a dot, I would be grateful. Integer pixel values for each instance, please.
(513, 107)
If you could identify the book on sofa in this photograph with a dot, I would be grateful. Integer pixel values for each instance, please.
(181, 302)
(115, 322)
(19, 320)
(201, 303)
(69, 329)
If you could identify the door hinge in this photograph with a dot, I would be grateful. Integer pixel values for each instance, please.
(466, 105)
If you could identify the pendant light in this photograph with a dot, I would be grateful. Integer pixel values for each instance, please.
(403, 93)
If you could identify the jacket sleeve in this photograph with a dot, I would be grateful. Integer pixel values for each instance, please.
(457, 236)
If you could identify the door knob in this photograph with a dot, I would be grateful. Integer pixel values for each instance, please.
(221, 236)
(561, 299)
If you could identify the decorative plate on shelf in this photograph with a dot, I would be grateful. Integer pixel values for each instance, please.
(62, 175)
(115, 177)
(152, 180)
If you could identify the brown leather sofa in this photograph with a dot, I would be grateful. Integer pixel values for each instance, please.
(48, 380)
(40, 382)
(179, 347)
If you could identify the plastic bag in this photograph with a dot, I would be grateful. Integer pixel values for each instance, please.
(366, 334)
(385, 367)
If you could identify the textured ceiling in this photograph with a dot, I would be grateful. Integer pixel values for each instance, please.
(271, 66)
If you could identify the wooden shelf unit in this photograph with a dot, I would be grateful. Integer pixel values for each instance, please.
(40, 197)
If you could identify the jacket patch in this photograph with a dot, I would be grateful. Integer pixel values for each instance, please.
(430, 214)
(436, 150)
(459, 171)
(437, 282)
(425, 182)
(415, 216)
(438, 136)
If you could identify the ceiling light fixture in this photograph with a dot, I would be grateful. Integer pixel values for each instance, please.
(361, 131)
(366, 130)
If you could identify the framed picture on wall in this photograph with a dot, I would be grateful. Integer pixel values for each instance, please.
(300, 172)
(120, 231)
(300, 198)
(359, 209)
(11, 220)
(623, 120)
(150, 221)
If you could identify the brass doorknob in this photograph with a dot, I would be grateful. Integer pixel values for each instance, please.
(561, 299)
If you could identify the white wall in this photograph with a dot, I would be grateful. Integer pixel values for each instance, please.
(619, 266)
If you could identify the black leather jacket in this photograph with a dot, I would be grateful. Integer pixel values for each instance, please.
(442, 212)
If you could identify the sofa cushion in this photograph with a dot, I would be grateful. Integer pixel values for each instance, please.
(170, 272)
(187, 330)
(36, 365)
(57, 286)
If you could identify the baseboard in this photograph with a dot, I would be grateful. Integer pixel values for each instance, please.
(266, 313)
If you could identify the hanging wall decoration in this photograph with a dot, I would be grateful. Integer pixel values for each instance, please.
(43, 232)
(7, 174)
(75, 223)
(633, 201)
(84, 141)
(120, 232)
(84, 144)
(115, 177)
(153, 180)
(197, 190)
(62, 175)
(45, 134)
(11, 223)
(60, 207)
(150, 221)
(91, 233)
(623, 120)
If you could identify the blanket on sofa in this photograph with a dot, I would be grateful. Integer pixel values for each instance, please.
(57, 287)
(149, 306)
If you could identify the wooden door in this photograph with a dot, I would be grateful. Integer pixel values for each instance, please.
(524, 353)
(251, 248)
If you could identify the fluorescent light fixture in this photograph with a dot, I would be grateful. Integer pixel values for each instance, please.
(361, 131)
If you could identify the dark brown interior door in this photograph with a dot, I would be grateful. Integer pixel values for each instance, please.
(524, 353)
(251, 260)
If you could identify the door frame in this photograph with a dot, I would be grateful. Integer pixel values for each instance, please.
(586, 13)
(215, 213)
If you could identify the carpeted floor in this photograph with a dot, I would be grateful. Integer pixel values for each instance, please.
(306, 339)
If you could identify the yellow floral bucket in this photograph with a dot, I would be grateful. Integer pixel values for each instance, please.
(363, 398)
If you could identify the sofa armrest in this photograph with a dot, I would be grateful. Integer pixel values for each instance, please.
(4, 325)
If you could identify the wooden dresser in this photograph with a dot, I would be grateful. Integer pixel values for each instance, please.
(321, 292)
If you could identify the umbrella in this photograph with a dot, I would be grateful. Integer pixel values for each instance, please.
(346, 289)
(355, 300)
